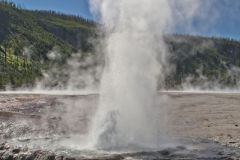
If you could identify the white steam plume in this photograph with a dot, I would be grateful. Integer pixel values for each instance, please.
(80, 72)
(130, 112)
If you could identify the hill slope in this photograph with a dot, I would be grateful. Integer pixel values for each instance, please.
(40, 32)
(204, 62)
(27, 37)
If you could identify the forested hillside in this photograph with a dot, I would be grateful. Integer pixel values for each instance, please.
(202, 61)
(27, 37)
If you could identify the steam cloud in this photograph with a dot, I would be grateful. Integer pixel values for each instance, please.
(130, 112)
(81, 71)
(203, 83)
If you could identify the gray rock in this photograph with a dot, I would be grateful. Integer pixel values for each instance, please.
(2, 153)
(59, 157)
(16, 150)
(7, 156)
(44, 155)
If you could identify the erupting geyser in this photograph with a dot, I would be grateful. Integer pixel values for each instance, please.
(130, 114)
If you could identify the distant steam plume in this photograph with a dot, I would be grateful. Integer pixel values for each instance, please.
(80, 71)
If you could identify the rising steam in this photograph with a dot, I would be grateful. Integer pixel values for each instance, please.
(130, 112)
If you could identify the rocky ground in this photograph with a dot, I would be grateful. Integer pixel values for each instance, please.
(212, 116)
(31, 124)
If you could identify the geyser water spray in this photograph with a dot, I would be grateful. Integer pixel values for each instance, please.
(130, 113)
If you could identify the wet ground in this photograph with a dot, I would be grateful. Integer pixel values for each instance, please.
(41, 125)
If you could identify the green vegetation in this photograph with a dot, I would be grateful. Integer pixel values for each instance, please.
(204, 59)
(26, 38)
(40, 31)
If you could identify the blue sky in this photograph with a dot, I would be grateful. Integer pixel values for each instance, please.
(75, 7)
(226, 25)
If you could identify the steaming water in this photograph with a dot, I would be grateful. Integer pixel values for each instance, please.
(95, 92)
(49, 92)
(128, 113)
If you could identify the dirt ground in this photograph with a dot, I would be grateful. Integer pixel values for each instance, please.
(211, 116)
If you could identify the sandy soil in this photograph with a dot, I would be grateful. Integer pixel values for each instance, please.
(213, 116)
(205, 116)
